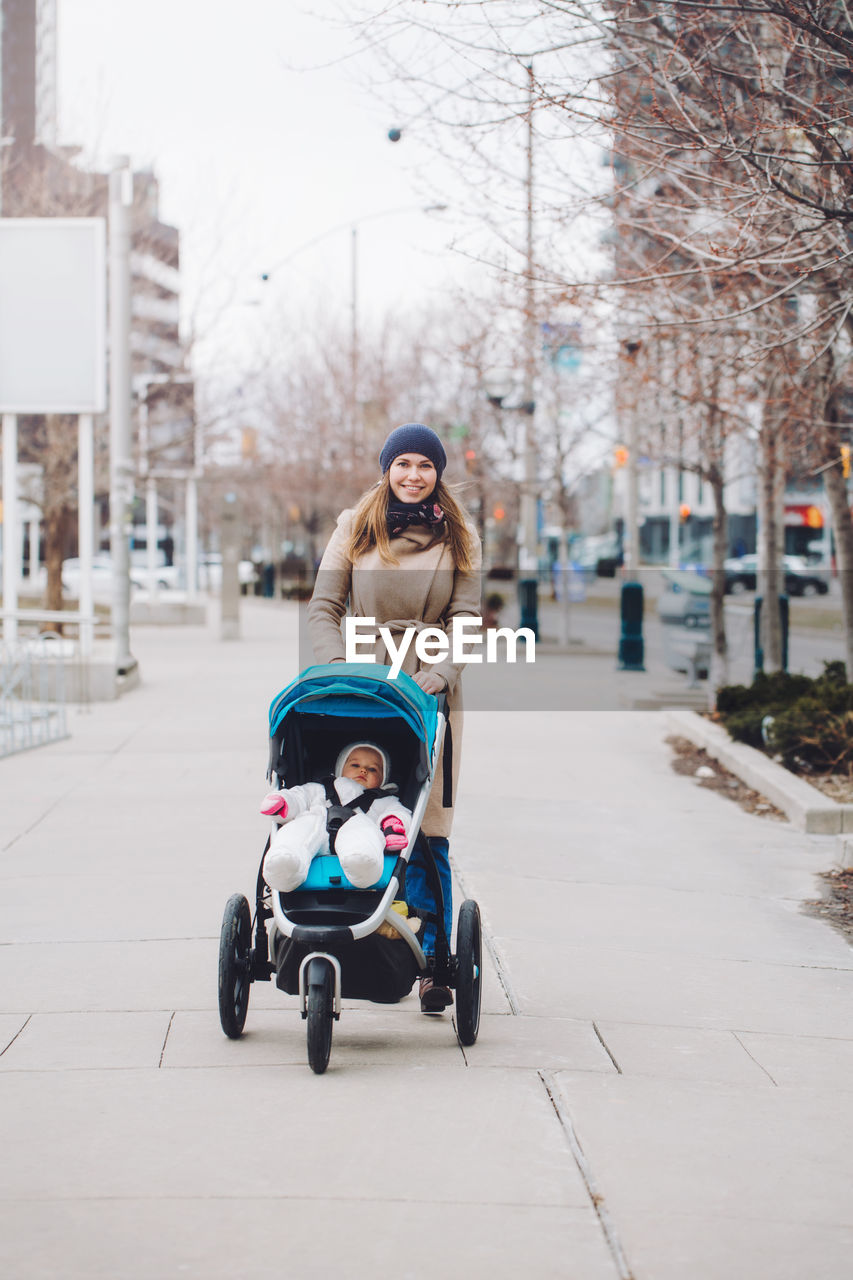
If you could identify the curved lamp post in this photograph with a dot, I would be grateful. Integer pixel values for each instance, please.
(501, 388)
(353, 224)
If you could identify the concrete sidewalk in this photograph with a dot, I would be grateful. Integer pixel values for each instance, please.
(662, 1084)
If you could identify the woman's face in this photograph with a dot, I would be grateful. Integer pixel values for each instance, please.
(412, 477)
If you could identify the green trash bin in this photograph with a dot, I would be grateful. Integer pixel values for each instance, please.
(631, 646)
(528, 600)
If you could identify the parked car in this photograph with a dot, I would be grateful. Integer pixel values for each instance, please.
(167, 574)
(210, 572)
(597, 554)
(801, 577)
(102, 577)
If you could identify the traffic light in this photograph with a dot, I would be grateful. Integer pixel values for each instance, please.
(845, 460)
(470, 460)
(248, 443)
(684, 512)
(620, 456)
(499, 513)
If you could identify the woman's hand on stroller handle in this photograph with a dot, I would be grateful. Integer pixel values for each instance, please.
(430, 681)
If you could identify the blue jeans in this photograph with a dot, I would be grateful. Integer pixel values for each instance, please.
(418, 893)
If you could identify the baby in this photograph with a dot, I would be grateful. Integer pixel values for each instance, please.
(361, 841)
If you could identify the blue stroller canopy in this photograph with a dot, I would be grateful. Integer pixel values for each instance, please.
(358, 689)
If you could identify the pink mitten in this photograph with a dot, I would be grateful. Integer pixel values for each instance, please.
(274, 803)
(395, 833)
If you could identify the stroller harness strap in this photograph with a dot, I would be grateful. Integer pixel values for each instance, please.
(337, 814)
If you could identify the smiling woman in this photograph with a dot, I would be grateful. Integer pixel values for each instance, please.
(407, 557)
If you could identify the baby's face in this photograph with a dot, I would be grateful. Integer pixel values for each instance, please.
(364, 765)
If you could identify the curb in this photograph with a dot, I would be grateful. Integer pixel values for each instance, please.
(805, 807)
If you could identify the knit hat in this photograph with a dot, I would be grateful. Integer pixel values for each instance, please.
(347, 751)
(413, 437)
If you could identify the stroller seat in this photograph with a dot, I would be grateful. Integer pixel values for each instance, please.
(325, 872)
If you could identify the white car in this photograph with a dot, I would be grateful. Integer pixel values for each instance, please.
(102, 578)
(167, 575)
(801, 577)
(210, 572)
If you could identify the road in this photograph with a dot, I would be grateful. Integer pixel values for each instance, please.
(816, 632)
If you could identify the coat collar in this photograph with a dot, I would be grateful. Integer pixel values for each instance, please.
(420, 534)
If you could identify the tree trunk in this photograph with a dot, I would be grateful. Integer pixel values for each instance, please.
(56, 524)
(719, 673)
(835, 484)
(59, 461)
(770, 543)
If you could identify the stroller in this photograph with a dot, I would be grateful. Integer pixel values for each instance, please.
(323, 945)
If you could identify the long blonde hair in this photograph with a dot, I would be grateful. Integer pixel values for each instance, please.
(370, 525)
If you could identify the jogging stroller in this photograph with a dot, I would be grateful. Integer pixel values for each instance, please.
(323, 945)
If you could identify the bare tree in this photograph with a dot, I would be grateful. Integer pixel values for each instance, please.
(731, 143)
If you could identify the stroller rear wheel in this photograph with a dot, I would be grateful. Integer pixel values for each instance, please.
(320, 1013)
(235, 944)
(469, 951)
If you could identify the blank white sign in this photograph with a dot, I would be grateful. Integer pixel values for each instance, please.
(52, 315)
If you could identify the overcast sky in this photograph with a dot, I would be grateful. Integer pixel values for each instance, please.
(264, 135)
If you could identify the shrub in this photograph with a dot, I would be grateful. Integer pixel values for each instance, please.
(810, 721)
(744, 725)
(732, 698)
(809, 735)
(779, 688)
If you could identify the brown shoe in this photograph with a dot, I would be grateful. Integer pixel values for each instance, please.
(433, 999)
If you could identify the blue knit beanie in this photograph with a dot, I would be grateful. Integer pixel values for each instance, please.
(413, 437)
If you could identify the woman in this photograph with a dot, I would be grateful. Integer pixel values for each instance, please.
(409, 556)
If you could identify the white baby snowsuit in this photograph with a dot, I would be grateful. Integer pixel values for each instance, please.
(359, 844)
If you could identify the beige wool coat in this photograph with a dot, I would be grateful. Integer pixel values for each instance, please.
(425, 589)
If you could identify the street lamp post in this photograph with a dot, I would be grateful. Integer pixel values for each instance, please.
(353, 224)
(528, 558)
(500, 387)
(121, 461)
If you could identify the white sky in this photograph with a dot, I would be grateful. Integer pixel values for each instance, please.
(259, 146)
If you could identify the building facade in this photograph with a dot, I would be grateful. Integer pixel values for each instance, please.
(38, 178)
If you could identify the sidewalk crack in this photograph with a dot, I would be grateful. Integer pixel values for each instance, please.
(17, 1033)
(606, 1047)
(611, 1237)
(459, 1043)
(775, 1083)
(492, 948)
(165, 1040)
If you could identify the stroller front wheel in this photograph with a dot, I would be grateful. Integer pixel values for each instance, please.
(235, 944)
(320, 1013)
(469, 965)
